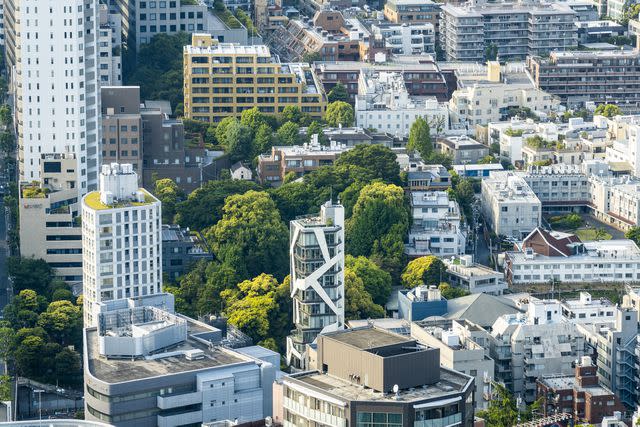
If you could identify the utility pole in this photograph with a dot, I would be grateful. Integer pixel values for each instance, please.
(39, 391)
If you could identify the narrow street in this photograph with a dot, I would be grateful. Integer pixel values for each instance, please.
(4, 253)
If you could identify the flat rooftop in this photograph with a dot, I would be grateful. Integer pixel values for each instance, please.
(229, 49)
(121, 370)
(93, 201)
(569, 382)
(367, 338)
(450, 382)
(601, 250)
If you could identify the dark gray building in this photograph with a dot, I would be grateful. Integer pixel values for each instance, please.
(180, 249)
(367, 377)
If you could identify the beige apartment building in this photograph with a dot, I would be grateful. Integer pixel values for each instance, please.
(47, 212)
(224, 79)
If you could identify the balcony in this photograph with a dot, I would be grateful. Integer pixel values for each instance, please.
(178, 400)
(312, 414)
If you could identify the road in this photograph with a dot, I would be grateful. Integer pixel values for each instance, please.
(4, 253)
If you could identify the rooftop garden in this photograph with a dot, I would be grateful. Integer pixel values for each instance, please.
(34, 192)
(225, 15)
(538, 142)
(513, 132)
(93, 201)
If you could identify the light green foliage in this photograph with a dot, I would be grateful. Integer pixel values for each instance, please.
(260, 308)
(503, 410)
(376, 281)
(251, 236)
(378, 160)
(237, 141)
(339, 113)
(246, 21)
(338, 93)
(420, 138)
(263, 139)
(427, 270)
(291, 113)
(450, 292)
(315, 128)
(253, 119)
(168, 192)
(311, 57)
(203, 207)
(288, 134)
(487, 160)
(570, 221)
(62, 321)
(5, 388)
(359, 304)
(608, 110)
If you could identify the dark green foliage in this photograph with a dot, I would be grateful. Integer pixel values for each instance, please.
(451, 292)
(159, 69)
(251, 236)
(378, 160)
(338, 93)
(359, 304)
(30, 273)
(168, 192)
(375, 280)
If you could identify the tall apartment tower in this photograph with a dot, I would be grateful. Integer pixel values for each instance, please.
(52, 54)
(316, 252)
(121, 240)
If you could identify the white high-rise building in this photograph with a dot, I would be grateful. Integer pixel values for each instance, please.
(317, 279)
(52, 50)
(121, 240)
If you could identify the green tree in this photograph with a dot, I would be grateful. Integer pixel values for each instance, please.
(260, 308)
(63, 322)
(238, 142)
(251, 236)
(427, 270)
(634, 234)
(376, 281)
(464, 194)
(338, 93)
(359, 304)
(68, 368)
(339, 113)
(7, 142)
(491, 52)
(451, 292)
(263, 139)
(288, 134)
(487, 160)
(28, 355)
(315, 128)
(376, 159)
(600, 234)
(608, 110)
(6, 117)
(253, 119)
(291, 113)
(5, 388)
(168, 192)
(420, 138)
(203, 207)
(221, 129)
(7, 342)
(502, 411)
(378, 226)
(159, 69)
(293, 199)
(311, 57)
(30, 273)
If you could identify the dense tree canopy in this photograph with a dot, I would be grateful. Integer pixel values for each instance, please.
(428, 270)
(378, 160)
(359, 304)
(168, 192)
(634, 234)
(379, 226)
(339, 113)
(30, 273)
(338, 93)
(376, 281)
(203, 207)
(251, 236)
(159, 69)
(288, 134)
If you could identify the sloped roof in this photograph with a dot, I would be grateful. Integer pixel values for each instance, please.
(481, 309)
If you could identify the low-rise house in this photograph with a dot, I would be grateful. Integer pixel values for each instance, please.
(462, 149)
(437, 225)
(477, 170)
(421, 177)
(475, 278)
(240, 171)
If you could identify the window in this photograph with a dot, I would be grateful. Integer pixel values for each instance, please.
(378, 419)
